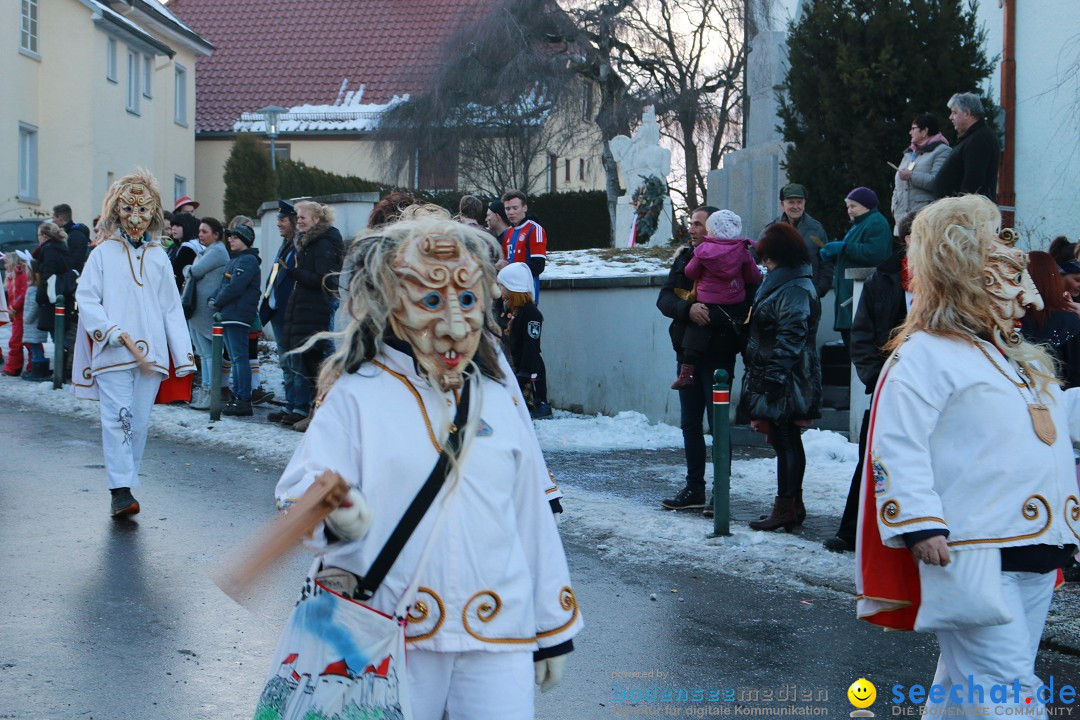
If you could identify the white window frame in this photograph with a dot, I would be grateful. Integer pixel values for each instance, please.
(29, 35)
(28, 163)
(147, 76)
(179, 187)
(134, 73)
(180, 109)
(110, 60)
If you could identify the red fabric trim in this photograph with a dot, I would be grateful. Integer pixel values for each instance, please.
(886, 572)
(174, 388)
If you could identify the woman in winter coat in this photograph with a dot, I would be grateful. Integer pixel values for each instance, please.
(913, 186)
(781, 390)
(867, 244)
(187, 245)
(313, 300)
(206, 272)
(237, 299)
(52, 260)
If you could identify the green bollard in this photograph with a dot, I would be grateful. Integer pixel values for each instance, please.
(58, 344)
(721, 453)
(216, 354)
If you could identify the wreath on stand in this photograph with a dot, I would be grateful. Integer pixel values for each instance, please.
(648, 203)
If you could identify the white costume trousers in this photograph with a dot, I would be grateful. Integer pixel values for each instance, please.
(126, 397)
(998, 654)
(471, 685)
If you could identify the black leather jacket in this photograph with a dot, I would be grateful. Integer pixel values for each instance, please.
(783, 370)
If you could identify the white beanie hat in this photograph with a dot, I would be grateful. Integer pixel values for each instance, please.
(517, 277)
(724, 224)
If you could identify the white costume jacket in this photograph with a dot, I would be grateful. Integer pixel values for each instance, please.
(953, 447)
(132, 290)
(497, 579)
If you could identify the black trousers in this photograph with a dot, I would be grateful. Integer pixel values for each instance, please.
(693, 401)
(790, 458)
(849, 522)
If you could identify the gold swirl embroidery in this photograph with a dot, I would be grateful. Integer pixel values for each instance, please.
(143, 347)
(420, 607)
(1030, 511)
(131, 265)
(892, 508)
(100, 336)
(486, 612)
(1072, 509)
(568, 602)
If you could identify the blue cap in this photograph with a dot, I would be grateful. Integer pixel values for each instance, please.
(285, 209)
(1069, 268)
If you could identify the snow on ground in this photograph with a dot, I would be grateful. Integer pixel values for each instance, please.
(643, 534)
(608, 262)
(628, 430)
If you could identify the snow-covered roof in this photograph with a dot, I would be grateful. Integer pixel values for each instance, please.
(347, 113)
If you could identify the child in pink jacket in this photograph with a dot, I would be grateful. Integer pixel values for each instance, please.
(721, 269)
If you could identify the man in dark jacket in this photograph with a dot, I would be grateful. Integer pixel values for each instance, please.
(882, 308)
(78, 236)
(675, 302)
(275, 299)
(972, 167)
(793, 212)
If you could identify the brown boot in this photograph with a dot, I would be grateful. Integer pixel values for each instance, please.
(782, 515)
(685, 379)
(800, 509)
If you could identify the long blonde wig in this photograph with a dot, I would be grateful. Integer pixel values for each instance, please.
(374, 292)
(110, 209)
(947, 258)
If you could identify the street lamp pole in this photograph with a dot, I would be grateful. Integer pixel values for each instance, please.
(271, 114)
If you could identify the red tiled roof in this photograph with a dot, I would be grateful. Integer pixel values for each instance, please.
(295, 52)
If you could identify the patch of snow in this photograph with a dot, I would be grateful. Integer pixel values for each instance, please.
(589, 263)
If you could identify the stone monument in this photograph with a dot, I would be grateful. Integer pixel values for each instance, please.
(638, 158)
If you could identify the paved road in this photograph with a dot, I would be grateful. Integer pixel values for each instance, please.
(117, 620)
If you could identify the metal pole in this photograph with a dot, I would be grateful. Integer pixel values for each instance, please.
(217, 350)
(721, 450)
(273, 153)
(58, 344)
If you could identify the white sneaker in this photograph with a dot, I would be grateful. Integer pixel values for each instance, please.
(201, 401)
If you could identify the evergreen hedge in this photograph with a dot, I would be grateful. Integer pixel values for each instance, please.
(572, 220)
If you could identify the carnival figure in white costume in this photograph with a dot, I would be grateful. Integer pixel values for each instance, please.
(494, 612)
(130, 326)
(969, 504)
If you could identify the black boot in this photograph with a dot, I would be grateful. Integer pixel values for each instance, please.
(782, 516)
(123, 502)
(238, 408)
(687, 499)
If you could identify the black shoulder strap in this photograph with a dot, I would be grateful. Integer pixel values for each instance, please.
(420, 504)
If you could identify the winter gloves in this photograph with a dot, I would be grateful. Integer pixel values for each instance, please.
(831, 250)
(549, 671)
(353, 519)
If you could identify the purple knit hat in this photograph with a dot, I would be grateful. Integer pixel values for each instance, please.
(865, 197)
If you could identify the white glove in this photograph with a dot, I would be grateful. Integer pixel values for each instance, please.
(115, 339)
(353, 519)
(549, 671)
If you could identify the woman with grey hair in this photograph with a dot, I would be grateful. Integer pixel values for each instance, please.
(972, 166)
(483, 577)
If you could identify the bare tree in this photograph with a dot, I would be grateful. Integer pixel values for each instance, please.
(688, 58)
(490, 106)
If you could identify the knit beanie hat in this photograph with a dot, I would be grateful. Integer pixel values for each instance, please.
(517, 277)
(245, 233)
(865, 197)
(724, 224)
(497, 208)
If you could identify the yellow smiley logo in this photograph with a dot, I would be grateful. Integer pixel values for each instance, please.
(862, 693)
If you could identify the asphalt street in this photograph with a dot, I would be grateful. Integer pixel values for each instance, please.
(117, 620)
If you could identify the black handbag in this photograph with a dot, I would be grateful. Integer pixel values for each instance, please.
(187, 297)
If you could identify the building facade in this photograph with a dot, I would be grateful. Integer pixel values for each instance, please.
(93, 88)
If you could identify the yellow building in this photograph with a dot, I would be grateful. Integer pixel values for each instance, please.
(93, 88)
